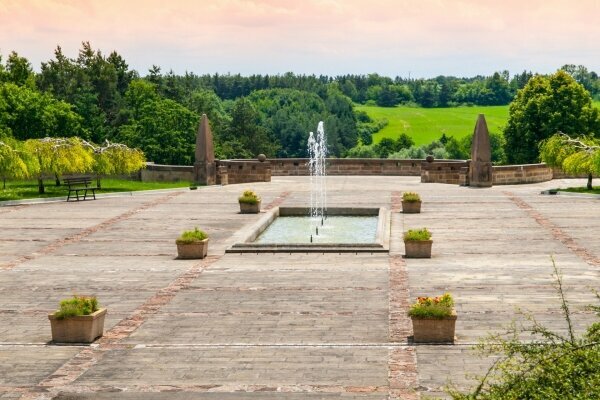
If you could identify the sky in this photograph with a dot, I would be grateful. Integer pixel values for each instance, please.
(416, 38)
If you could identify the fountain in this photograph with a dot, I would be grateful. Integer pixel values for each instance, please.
(317, 153)
(317, 227)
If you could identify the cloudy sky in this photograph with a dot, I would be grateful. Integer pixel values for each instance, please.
(423, 38)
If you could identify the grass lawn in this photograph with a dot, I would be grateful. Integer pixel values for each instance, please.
(427, 124)
(19, 190)
(582, 189)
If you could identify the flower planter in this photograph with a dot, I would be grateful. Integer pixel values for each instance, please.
(411, 207)
(418, 248)
(190, 251)
(79, 329)
(248, 208)
(430, 330)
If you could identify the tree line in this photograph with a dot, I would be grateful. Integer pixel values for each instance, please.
(98, 97)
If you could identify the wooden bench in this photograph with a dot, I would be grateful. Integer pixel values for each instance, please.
(80, 184)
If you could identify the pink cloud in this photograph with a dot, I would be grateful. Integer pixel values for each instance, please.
(328, 36)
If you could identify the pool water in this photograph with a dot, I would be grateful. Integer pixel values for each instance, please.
(336, 229)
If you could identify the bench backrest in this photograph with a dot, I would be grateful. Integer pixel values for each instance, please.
(80, 180)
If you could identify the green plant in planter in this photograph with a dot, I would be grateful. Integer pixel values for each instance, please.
(78, 305)
(417, 235)
(432, 307)
(411, 197)
(249, 197)
(194, 236)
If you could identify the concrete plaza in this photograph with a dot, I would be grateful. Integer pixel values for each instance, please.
(281, 326)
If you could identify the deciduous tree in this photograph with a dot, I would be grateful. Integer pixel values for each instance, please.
(547, 105)
(57, 156)
(12, 163)
(114, 159)
(573, 155)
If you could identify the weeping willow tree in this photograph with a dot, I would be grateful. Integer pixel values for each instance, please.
(572, 155)
(114, 159)
(12, 161)
(58, 156)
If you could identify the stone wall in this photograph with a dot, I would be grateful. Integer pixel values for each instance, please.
(348, 166)
(558, 173)
(244, 171)
(516, 174)
(447, 171)
(167, 173)
(228, 171)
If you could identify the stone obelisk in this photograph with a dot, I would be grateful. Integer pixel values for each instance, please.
(480, 172)
(205, 170)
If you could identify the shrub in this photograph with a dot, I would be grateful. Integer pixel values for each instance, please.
(361, 151)
(411, 197)
(417, 235)
(78, 305)
(412, 153)
(432, 307)
(249, 197)
(194, 236)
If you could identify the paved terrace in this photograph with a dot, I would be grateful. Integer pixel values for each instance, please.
(274, 326)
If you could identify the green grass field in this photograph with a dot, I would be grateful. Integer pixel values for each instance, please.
(19, 190)
(427, 124)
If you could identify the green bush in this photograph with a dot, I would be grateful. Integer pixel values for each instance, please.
(411, 197)
(417, 235)
(432, 307)
(249, 197)
(78, 305)
(194, 236)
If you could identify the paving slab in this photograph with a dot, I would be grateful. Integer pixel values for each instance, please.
(26, 366)
(266, 366)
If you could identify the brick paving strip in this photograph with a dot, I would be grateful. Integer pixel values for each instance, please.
(57, 244)
(555, 230)
(277, 201)
(402, 362)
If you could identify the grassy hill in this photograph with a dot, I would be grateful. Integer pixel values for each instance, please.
(427, 124)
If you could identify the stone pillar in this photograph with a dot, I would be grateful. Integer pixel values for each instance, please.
(480, 171)
(222, 175)
(205, 167)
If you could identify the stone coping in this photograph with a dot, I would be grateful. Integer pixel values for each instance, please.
(245, 237)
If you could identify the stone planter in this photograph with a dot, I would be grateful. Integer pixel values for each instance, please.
(411, 207)
(430, 330)
(248, 208)
(79, 329)
(190, 251)
(418, 248)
